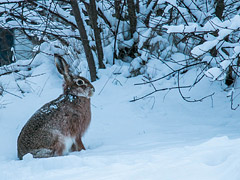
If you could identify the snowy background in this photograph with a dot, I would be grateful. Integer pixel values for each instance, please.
(159, 137)
(183, 57)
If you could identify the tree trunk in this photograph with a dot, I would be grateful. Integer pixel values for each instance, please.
(117, 9)
(219, 8)
(132, 16)
(84, 37)
(137, 6)
(92, 11)
(6, 43)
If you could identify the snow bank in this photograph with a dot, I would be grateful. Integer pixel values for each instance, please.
(159, 137)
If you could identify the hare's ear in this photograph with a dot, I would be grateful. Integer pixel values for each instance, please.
(62, 67)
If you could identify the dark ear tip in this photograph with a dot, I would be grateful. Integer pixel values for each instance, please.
(58, 56)
(60, 60)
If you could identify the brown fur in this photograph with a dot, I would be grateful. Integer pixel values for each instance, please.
(63, 119)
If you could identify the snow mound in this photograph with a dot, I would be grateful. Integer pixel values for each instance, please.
(158, 137)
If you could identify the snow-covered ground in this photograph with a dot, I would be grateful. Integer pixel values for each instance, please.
(160, 137)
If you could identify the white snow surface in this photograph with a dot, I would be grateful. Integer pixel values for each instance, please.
(159, 137)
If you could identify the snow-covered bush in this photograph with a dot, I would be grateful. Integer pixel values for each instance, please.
(209, 34)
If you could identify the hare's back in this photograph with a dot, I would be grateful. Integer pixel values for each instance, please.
(42, 117)
(38, 131)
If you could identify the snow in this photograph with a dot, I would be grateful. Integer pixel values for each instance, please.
(159, 137)
(215, 73)
(203, 48)
(223, 29)
(182, 28)
(225, 64)
(237, 51)
(145, 34)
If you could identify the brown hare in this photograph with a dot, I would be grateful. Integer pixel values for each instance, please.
(58, 126)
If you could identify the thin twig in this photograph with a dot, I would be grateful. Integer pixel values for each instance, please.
(173, 72)
(185, 98)
(11, 93)
(157, 90)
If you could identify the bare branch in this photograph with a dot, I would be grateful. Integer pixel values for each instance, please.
(157, 90)
(173, 72)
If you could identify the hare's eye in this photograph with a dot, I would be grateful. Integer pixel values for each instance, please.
(79, 82)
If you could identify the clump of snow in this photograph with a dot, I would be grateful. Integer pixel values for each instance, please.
(203, 48)
(152, 68)
(182, 28)
(109, 53)
(28, 157)
(225, 64)
(145, 34)
(215, 74)
(136, 63)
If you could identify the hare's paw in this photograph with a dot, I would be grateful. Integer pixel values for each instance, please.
(42, 153)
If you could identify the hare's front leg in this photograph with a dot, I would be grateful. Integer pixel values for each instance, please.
(79, 142)
(58, 148)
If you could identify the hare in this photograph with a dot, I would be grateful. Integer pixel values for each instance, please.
(57, 127)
